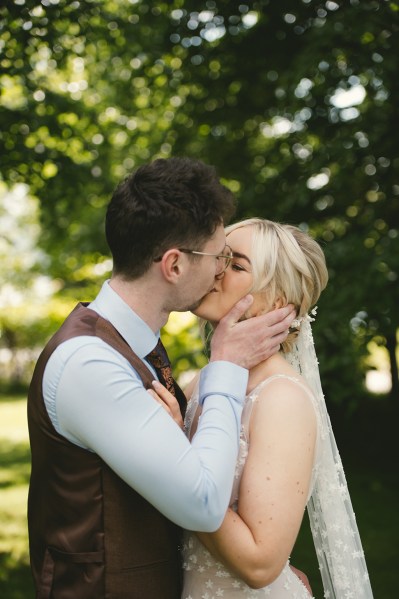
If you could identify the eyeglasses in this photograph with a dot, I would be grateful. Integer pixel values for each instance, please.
(222, 260)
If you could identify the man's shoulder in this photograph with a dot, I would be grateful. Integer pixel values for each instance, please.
(77, 347)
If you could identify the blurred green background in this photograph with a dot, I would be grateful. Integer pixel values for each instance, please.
(296, 103)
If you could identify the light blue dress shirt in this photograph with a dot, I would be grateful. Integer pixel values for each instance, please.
(96, 400)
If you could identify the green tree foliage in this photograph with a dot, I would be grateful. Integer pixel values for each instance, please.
(77, 111)
(295, 102)
(28, 311)
(298, 101)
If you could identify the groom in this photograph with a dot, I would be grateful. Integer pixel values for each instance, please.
(113, 477)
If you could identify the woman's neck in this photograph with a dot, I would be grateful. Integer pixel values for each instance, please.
(276, 364)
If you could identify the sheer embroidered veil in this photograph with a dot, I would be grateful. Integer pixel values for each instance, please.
(332, 520)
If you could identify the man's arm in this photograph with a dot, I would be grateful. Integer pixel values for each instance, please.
(102, 405)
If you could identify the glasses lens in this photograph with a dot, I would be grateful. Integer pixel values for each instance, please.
(220, 265)
(226, 258)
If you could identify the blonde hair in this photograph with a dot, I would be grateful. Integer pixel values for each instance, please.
(287, 265)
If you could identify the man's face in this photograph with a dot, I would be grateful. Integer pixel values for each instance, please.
(201, 272)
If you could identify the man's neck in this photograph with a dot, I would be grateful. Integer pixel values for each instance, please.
(144, 298)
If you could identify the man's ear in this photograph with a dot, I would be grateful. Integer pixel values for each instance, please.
(172, 265)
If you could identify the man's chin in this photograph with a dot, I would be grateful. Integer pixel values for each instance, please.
(194, 307)
(191, 308)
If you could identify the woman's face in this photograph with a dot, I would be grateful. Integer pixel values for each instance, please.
(236, 281)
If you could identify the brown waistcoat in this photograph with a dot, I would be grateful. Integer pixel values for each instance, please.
(91, 536)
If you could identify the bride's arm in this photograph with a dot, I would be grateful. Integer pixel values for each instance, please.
(256, 542)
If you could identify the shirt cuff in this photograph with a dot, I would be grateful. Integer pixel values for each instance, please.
(223, 378)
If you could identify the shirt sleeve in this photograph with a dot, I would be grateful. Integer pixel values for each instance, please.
(101, 404)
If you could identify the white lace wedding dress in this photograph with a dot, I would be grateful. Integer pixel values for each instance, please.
(204, 576)
(336, 538)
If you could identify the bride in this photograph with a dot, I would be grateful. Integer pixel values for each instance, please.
(288, 459)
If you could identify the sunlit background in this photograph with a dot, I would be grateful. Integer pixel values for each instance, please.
(296, 105)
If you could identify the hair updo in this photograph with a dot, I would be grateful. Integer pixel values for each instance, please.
(287, 265)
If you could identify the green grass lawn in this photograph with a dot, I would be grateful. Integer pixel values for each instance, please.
(15, 578)
(370, 462)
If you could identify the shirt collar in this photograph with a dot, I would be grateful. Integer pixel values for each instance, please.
(133, 329)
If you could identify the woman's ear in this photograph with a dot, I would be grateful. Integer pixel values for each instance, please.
(260, 305)
(279, 303)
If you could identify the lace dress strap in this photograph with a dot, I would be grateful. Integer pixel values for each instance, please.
(255, 392)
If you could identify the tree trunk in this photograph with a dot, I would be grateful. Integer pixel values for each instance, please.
(391, 347)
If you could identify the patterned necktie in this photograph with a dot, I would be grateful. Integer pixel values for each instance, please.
(160, 361)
